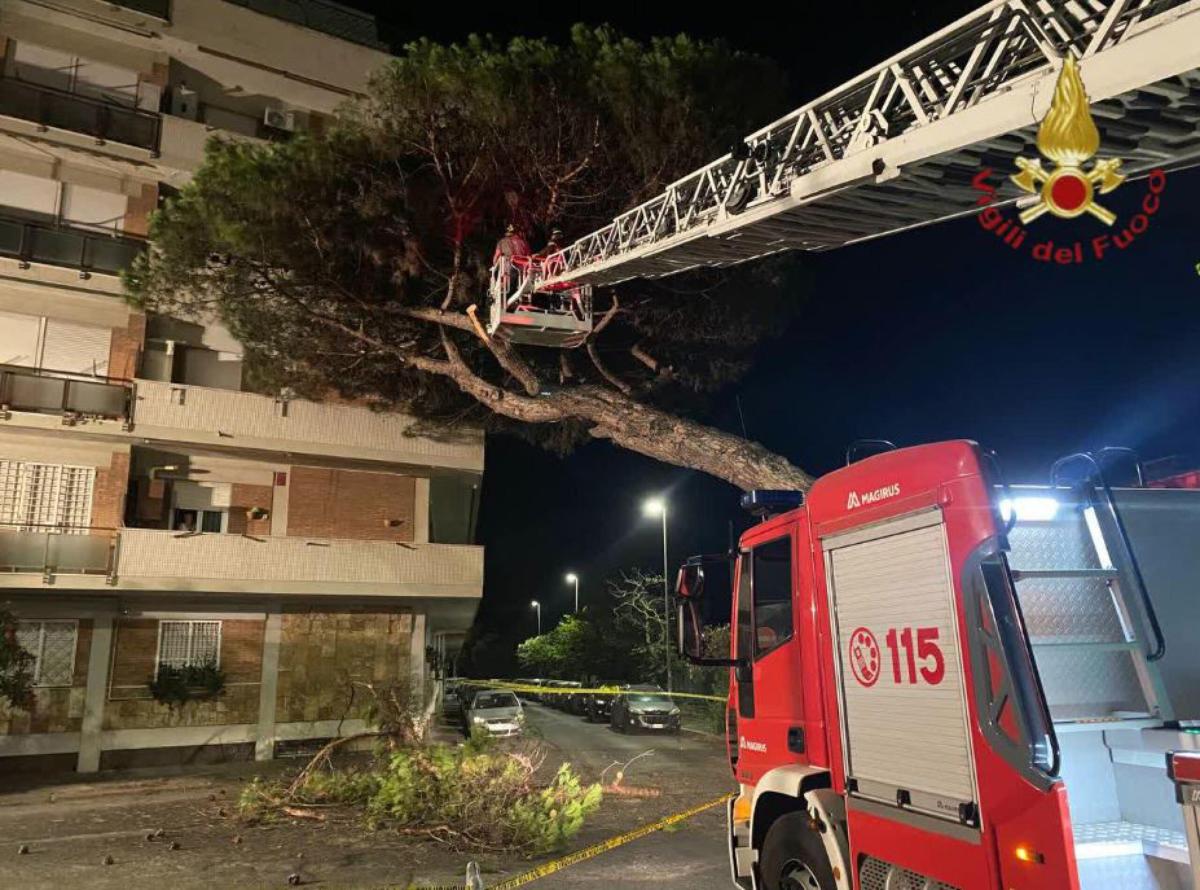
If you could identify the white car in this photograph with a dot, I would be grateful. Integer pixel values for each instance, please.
(496, 710)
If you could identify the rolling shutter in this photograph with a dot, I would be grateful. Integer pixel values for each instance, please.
(78, 348)
(901, 684)
(19, 336)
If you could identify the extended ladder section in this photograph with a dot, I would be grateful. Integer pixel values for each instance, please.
(901, 145)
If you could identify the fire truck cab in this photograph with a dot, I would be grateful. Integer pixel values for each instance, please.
(938, 682)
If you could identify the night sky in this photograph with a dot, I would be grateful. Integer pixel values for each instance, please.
(935, 334)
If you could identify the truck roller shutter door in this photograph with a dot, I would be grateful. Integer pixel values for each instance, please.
(901, 686)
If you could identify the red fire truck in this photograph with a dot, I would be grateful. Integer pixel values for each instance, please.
(940, 682)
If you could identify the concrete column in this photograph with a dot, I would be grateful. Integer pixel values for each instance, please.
(264, 744)
(279, 504)
(421, 512)
(417, 658)
(99, 660)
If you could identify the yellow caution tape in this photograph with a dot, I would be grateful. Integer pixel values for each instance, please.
(604, 846)
(591, 852)
(575, 690)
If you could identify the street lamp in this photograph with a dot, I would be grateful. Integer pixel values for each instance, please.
(538, 606)
(658, 507)
(572, 578)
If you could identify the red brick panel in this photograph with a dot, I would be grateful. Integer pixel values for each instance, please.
(126, 347)
(243, 498)
(108, 493)
(134, 648)
(138, 210)
(241, 650)
(350, 504)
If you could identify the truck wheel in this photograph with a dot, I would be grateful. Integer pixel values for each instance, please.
(793, 857)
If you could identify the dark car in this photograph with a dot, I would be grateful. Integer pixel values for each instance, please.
(645, 708)
(597, 707)
(563, 698)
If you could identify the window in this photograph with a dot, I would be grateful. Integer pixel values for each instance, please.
(189, 643)
(772, 584)
(52, 645)
(34, 341)
(200, 520)
(39, 497)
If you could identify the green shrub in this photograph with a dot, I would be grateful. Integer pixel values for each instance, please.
(481, 800)
(175, 686)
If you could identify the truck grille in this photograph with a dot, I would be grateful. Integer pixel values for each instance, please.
(875, 874)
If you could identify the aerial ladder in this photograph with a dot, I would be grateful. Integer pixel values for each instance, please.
(939, 681)
(898, 147)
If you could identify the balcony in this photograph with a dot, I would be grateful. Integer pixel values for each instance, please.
(103, 121)
(150, 559)
(82, 249)
(69, 395)
(172, 412)
(26, 550)
(172, 560)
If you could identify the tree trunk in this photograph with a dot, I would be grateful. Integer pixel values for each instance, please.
(633, 425)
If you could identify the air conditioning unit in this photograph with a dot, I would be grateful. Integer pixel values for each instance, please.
(278, 119)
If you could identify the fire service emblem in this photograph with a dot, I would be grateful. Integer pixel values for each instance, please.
(1068, 137)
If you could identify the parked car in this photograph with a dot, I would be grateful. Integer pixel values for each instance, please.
(496, 710)
(597, 707)
(452, 696)
(562, 699)
(644, 707)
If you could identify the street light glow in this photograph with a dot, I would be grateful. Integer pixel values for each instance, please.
(534, 604)
(654, 507)
(572, 577)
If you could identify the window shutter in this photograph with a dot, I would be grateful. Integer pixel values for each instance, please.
(78, 348)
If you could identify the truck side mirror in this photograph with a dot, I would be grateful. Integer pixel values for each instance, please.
(691, 631)
(689, 586)
(689, 593)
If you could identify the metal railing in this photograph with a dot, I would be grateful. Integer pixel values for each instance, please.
(321, 15)
(59, 392)
(61, 245)
(160, 9)
(55, 550)
(104, 121)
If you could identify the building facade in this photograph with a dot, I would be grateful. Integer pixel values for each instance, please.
(153, 515)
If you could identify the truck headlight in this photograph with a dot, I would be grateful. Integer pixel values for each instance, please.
(674, 712)
(478, 721)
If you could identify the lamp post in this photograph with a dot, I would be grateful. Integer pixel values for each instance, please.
(658, 507)
(572, 578)
(538, 606)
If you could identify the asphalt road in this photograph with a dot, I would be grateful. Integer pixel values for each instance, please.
(95, 831)
(686, 770)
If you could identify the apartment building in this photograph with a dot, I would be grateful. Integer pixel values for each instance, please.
(153, 515)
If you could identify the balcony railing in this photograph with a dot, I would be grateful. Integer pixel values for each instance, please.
(220, 416)
(49, 552)
(104, 121)
(150, 559)
(88, 251)
(51, 392)
(219, 562)
(160, 9)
